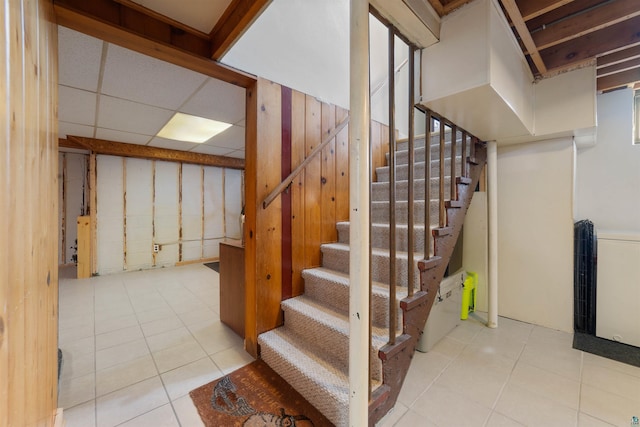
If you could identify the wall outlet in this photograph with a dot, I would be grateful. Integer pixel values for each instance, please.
(156, 248)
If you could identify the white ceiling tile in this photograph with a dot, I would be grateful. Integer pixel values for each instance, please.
(210, 149)
(199, 14)
(238, 154)
(119, 136)
(232, 138)
(127, 116)
(218, 100)
(130, 75)
(76, 106)
(65, 129)
(79, 58)
(172, 144)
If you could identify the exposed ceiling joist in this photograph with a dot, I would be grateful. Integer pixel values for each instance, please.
(593, 44)
(582, 24)
(522, 30)
(530, 9)
(617, 80)
(618, 67)
(120, 24)
(234, 22)
(112, 148)
(619, 56)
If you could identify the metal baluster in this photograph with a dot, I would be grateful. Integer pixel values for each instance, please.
(454, 136)
(410, 179)
(392, 191)
(427, 186)
(442, 213)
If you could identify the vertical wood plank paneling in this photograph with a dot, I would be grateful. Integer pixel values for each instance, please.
(285, 197)
(29, 208)
(312, 185)
(328, 177)
(269, 257)
(298, 229)
(342, 168)
(250, 226)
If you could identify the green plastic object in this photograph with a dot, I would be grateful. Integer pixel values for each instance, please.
(468, 295)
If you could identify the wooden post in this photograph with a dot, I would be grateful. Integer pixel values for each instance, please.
(84, 247)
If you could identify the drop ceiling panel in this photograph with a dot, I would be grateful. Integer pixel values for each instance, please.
(199, 14)
(172, 144)
(231, 138)
(238, 154)
(119, 136)
(210, 149)
(65, 129)
(147, 80)
(79, 58)
(76, 106)
(218, 100)
(127, 116)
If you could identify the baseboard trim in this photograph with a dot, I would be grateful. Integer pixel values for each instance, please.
(618, 351)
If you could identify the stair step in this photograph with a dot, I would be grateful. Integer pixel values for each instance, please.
(327, 331)
(331, 288)
(402, 154)
(316, 379)
(335, 256)
(380, 236)
(402, 171)
(380, 212)
(403, 143)
(380, 190)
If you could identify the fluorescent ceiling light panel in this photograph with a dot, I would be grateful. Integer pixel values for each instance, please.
(188, 128)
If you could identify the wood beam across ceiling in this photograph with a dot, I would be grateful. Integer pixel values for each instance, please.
(120, 23)
(533, 8)
(600, 17)
(112, 148)
(617, 80)
(234, 22)
(521, 28)
(592, 45)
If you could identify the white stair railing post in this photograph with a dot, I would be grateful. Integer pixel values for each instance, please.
(492, 196)
(359, 176)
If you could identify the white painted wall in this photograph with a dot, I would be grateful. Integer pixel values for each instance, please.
(535, 232)
(608, 173)
(186, 209)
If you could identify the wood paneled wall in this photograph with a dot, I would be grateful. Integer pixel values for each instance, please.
(28, 214)
(283, 127)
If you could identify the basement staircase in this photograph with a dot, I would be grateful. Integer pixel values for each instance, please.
(310, 351)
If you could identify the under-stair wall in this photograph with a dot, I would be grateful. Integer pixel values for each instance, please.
(285, 238)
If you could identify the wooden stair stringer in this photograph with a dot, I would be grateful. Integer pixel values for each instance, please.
(396, 358)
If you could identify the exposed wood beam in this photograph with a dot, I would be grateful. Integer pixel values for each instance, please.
(600, 42)
(523, 32)
(112, 148)
(437, 6)
(152, 13)
(65, 143)
(619, 56)
(532, 8)
(453, 5)
(561, 13)
(234, 22)
(581, 24)
(619, 79)
(105, 20)
(619, 67)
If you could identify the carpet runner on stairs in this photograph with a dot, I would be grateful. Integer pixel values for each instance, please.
(310, 351)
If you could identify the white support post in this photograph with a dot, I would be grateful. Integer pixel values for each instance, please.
(492, 196)
(359, 176)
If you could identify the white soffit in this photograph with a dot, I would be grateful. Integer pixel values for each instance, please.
(421, 33)
(199, 14)
(147, 80)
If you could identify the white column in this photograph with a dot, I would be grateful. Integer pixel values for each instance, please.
(359, 175)
(492, 196)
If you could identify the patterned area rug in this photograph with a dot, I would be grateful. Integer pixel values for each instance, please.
(254, 395)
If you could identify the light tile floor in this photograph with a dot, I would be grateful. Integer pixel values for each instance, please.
(136, 343)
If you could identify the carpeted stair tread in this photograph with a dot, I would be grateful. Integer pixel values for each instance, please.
(327, 331)
(335, 256)
(402, 171)
(331, 288)
(316, 379)
(380, 235)
(380, 212)
(380, 190)
(402, 155)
